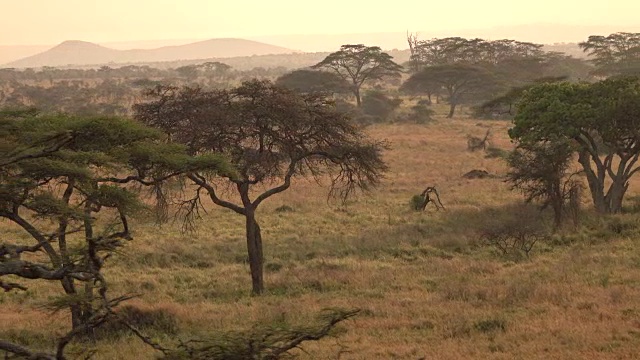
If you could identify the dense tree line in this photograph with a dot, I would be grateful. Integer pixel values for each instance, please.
(472, 71)
(107, 90)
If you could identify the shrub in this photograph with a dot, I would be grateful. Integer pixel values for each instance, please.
(379, 105)
(421, 113)
(517, 234)
(416, 202)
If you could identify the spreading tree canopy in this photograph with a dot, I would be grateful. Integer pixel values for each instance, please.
(358, 64)
(271, 135)
(602, 122)
(305, 80)
(70, 184)
(616, 54)
(459, 82)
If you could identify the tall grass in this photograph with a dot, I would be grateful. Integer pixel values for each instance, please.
(427, 286)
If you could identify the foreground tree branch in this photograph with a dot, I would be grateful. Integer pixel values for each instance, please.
(261, 342)
(67, 184)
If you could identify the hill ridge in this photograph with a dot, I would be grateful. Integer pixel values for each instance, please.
(79, 52)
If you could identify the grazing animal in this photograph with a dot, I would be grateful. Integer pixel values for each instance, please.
(476, 143)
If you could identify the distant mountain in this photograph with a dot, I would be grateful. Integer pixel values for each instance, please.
(81, 53)
(13, 52)
(86, 53)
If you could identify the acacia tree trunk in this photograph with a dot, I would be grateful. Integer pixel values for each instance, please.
(356, 92)
(254, 248)
(615, 195)
(75, 308)
(611, 201)
(557, 203)
(68, 283)
(596, 185)
(80, 313)
(452, 109)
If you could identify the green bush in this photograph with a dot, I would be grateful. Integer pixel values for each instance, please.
(421, 113)
(416, 202)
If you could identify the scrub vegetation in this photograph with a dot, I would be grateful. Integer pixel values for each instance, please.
(121, 241)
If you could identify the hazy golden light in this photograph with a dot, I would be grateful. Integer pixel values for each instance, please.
(53, 21)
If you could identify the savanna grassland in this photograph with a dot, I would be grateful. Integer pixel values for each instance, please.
(426, 285)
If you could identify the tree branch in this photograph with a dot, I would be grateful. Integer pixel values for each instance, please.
(63, 139)
(284, 186)
(29, 270)
(24, 352)
(42, 241)
(200, 181)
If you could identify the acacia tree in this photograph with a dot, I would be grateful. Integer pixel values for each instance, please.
(58, 175)
(358, 64)
(601, 119)
(304, 80)
(271, 135)
(539, 170)
(461, 83)
(457, 50)
(616, 54)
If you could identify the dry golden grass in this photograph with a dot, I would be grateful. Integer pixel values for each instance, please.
(426, 288)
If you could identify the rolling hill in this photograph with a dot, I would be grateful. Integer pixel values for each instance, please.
(85, 53)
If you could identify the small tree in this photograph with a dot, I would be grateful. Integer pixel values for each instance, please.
(516, 234)
(377, 104)
(420, 113)
(540, 171)
(358, 64)
(271, 135)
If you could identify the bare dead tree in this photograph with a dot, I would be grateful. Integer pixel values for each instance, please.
(427, 195)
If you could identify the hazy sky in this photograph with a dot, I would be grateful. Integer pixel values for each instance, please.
(52, 21)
